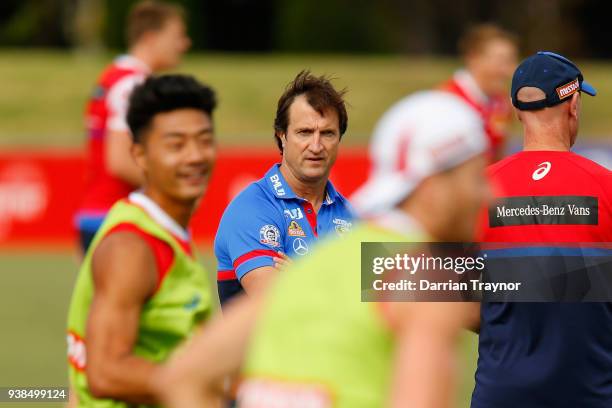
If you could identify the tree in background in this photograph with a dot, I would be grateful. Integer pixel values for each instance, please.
(575, 27)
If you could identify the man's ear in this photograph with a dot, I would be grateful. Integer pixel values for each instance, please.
(283, 138)
(574, 109)
(137, 150)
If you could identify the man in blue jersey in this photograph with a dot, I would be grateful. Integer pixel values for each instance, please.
(284, 213)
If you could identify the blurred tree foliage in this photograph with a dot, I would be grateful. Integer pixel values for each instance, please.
(33, 22)
(576, 27)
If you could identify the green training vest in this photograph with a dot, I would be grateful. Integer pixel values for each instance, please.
(316, 334)
(180, 304)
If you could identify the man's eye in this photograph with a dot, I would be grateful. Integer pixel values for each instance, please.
(205, 141)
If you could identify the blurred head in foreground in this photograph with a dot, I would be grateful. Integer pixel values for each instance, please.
(156, 33)
(170, 118)
(427, 155)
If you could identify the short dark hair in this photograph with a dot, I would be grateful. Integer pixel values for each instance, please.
(166, 93)
(320, 94)
(477, 36)
(150, 15)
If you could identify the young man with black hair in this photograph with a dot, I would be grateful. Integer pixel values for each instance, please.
(140, 291)
(285, 212)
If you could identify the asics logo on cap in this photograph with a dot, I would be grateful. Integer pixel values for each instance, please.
(541, 171)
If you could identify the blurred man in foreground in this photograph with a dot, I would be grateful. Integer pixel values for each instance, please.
(490, 56)
(285, 212)
(157, 39)
(140, 291)
(547, 354)
(315, 343)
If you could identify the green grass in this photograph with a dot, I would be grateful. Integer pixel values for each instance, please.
(44, 92)
(35, 291)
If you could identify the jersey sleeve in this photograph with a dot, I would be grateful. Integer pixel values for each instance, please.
(249, 235)
(117, 101)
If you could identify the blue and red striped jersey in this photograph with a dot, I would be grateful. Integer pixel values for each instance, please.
(267, 217)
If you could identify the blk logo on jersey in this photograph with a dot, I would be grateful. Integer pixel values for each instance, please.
(541, 171)
(544, 210)
(269, 235)
(294, 213)
(278, 185)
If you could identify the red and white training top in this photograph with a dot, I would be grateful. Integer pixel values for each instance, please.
(496, 111)
(106, 111)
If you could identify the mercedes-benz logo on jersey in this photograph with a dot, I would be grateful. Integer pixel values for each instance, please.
(300, 247)
(541, 171)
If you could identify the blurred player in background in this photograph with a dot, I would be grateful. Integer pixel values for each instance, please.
(286, 211)
(140, 290)
(490, 56)
(157, 38)
(315, 343)
(547, 354)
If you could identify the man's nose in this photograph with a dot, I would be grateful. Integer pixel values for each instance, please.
(315, 145)
(195, 153)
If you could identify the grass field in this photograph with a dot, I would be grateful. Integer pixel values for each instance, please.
(43, 92)
(35, 291)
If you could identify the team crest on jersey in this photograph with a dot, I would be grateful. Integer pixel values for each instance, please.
(294, 213)
(295, 230)
(342, 226)
(269, 235)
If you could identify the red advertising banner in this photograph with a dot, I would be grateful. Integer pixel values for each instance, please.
(41, 190)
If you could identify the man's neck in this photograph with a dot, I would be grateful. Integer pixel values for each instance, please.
(548, 139)
(313, 192)
(180, 212)
(142, 54)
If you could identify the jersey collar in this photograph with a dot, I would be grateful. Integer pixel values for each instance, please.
(280, 188)
(158, 215)
(128, 61)
(468, 84)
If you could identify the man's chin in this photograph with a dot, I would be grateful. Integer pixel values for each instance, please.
(191, 197)
(315, 174)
